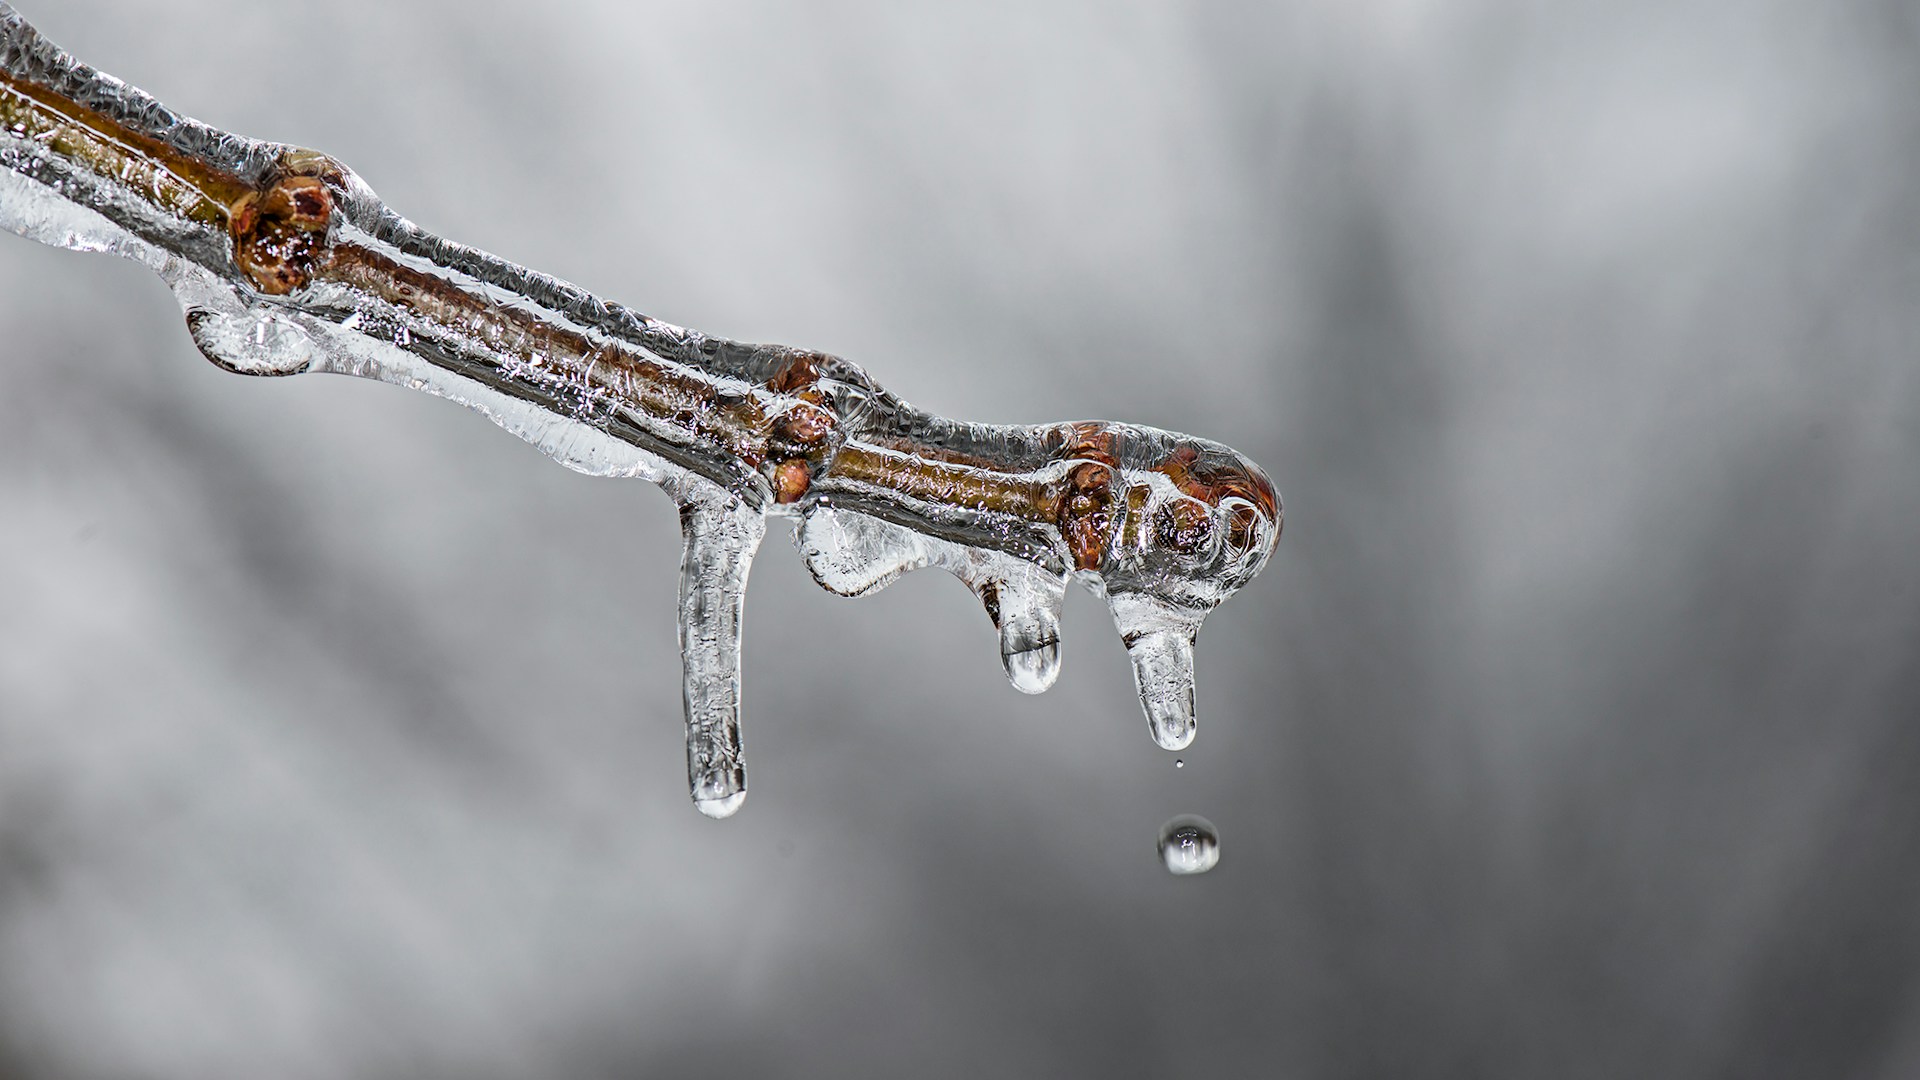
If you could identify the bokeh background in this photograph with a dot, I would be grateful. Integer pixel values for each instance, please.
(1574, 730)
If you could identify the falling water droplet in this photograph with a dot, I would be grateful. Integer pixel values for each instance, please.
(1189, 844)
(1179, 763)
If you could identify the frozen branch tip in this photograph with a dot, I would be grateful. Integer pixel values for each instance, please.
(286, 262)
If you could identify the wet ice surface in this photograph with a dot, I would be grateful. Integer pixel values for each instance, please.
(610, 392)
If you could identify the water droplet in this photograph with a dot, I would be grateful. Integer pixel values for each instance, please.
(1190, 845)
(1032, 671)
(1027, 609)
(1179, 763)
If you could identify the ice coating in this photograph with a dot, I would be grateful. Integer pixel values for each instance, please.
(285, 262)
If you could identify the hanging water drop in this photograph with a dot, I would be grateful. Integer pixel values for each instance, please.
(1032, 670)
(1025, 604)
(723, 806)
(1189, 844)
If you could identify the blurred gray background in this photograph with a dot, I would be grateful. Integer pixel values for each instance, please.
(1571, 733)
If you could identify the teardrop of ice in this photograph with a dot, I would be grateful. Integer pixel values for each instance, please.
(853, 554)
(256, 342)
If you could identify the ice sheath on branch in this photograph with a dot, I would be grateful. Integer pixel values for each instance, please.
(286, 262)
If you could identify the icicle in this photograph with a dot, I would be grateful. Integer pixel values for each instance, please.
(1159, 639)
(1025, 605)
(1163, 673)
(721, 537)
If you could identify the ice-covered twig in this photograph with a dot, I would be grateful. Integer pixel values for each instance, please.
(285, 262)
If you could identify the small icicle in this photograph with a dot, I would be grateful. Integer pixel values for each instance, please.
(1163, 670)
(1027, 610)
(721, 535)
(1159, 640)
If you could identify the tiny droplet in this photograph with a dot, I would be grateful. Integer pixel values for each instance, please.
(1189, 844)
(1179, 763)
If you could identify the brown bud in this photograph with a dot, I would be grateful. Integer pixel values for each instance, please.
(299, 161)
(791, 480)
(1182, 525)
(804, 425)
(1093, 440)
(280, 233)
(1084, 514)
(797, 375)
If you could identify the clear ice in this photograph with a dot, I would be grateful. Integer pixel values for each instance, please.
(1189, 844)
(285, 262)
